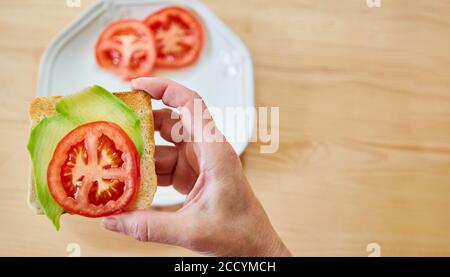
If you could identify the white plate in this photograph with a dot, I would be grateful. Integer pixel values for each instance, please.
(223, 75)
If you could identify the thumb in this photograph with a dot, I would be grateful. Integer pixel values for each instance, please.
(148, 225)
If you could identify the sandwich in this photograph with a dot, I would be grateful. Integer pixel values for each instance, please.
(92, 153)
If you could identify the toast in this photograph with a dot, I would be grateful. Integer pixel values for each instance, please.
(140, 103)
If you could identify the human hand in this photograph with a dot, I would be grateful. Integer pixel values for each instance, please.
(221, 215)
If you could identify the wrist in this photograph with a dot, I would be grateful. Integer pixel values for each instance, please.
(271, 246)
(276, 249)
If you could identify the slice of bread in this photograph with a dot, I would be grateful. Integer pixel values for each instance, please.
(140, 103)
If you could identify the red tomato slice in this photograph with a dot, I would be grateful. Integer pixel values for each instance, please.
(126, 47)
(94, 170)
(178, 34)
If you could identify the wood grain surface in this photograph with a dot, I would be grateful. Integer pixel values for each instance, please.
(364, 97)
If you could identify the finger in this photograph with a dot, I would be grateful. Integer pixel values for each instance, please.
(173, 168)
(177, 96)
(164, 122)
(188, 102)
(184, 176)
(165, 159)
(170, 92)
(148, 225)
(185, 100)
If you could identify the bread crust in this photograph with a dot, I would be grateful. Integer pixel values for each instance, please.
(140, 103)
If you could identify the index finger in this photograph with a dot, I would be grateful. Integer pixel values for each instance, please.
(187, 102)
(177, 96)
(171, 93)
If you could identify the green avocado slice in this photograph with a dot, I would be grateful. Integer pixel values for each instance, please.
(96, 103)
(92, 104)
(42, 143)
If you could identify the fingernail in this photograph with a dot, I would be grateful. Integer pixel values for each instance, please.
(134, 83)
(110, 223)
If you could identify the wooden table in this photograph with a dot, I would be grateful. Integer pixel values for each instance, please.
(364, 97)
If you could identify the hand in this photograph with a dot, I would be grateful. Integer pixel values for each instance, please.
(220, 216)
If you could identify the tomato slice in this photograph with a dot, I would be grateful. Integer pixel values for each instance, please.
(126, 47)
(94, 170)
(178, 34)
